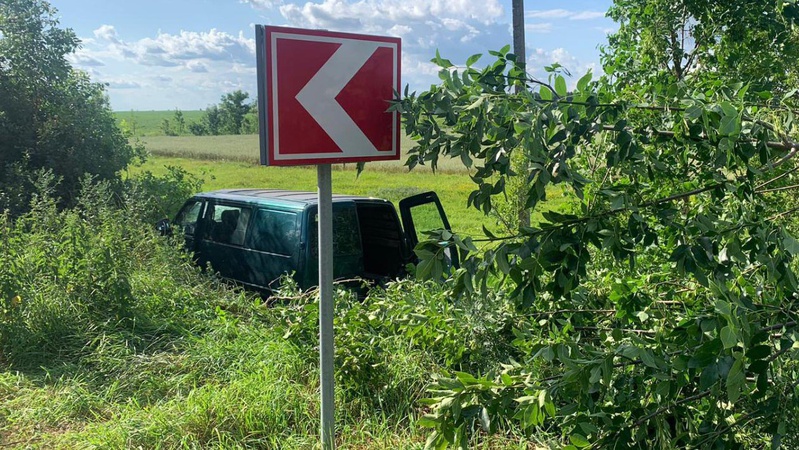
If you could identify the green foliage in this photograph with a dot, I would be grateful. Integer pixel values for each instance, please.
(74, 281)
(233, 115)
(662, 307)
(53, 117)
(234, 108)
(151, 198)
(111, 337)
(176, 127)
(662, 41)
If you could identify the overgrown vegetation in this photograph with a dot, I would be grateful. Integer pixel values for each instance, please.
(110, 337)
(665, 300)
(51, 116)
(655, 309)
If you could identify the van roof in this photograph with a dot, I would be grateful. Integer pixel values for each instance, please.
(267, 195)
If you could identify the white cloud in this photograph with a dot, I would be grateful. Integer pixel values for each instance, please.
(587, 15)
(263, 4)
(197, 66)
(548, 14)
(400, 30)
(171, 49)
(189, 69)
(564, 14)
(415, 65)
(538, 27)
(84, 58)
(380, 16)
(107, 33)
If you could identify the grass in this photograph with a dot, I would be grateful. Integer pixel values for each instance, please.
(175, 359)
(131, 347)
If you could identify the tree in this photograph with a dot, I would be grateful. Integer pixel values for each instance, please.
(750, 41)
(661, 309)
(234, 108)
(52, 117)
(180, 121)
(213, 119)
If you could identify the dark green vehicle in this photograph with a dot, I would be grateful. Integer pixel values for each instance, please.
(254, 236)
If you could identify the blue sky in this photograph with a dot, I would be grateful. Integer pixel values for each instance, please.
(187, 53)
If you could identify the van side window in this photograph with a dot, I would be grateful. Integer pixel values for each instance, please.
(226, 224)
(346, 237)
(274, 232)
(186, 220)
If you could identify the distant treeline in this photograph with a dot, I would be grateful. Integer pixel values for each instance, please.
(233, 115)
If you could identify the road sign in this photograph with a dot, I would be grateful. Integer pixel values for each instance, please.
(322, 99)
(323, 96)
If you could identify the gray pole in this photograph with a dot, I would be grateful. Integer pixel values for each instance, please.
(518, 33)
(521, 58)
(324, 184)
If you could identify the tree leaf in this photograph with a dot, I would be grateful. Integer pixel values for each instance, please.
(790, 244)
(578, 440)
(735, 380)
(582, 83)
(560, 86)
(728, 337)
(473, 59)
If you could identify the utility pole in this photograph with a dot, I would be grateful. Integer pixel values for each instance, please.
(521, 58)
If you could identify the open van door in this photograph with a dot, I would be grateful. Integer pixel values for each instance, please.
(421, 213)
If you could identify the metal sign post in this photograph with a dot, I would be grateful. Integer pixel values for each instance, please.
(325, 191)
(322, 99)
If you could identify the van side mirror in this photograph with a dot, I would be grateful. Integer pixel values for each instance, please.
(163, 227)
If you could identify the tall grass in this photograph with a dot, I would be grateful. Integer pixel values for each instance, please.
(111, 338)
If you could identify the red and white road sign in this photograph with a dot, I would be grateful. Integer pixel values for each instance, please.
(323, 97)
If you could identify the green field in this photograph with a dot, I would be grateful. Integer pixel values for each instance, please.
(246, 148)
(148, 123)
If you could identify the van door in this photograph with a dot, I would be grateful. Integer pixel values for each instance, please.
(422, 213)
(187, 222)
(272, 246)
(222, 241)
(347, 247)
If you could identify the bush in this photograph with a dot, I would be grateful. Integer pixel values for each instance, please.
(152, 198)
(77, 278)
(53, 117)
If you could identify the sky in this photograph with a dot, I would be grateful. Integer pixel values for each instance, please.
(186, 54)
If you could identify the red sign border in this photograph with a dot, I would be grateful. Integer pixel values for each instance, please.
(270, 86)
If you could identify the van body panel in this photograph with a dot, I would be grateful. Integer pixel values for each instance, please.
(254, 236)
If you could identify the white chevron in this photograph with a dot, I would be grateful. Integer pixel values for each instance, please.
(318, 96)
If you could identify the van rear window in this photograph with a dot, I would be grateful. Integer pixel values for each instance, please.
(275, 232)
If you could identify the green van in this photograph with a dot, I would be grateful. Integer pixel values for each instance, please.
(254, 236)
